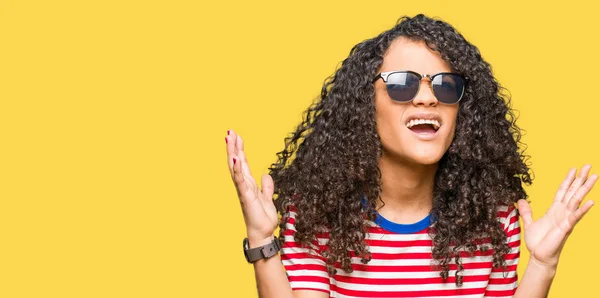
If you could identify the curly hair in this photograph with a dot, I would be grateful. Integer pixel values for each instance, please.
(337, 148)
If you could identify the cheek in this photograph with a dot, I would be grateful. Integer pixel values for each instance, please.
(452, 129)
(382, 111)
(388, 120)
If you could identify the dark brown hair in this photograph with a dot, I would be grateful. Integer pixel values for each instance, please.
(337, 148)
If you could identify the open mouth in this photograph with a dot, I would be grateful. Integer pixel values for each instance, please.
(423, 126)
(423, 129)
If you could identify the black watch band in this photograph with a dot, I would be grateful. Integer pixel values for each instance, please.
(262, 252)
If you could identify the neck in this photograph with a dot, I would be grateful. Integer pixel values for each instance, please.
(407, 189)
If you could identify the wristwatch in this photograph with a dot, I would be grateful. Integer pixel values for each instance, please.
(262, 252)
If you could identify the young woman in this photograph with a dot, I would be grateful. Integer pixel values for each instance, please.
(404, 183)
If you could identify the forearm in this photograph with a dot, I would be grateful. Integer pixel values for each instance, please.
(271, 280)
(536, 280)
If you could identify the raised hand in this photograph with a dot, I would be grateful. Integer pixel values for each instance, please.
(260, 214)
(546, 236)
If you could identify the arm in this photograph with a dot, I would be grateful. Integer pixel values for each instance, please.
(272, 281)
(546, 237)
(260, 216)
(536, 281)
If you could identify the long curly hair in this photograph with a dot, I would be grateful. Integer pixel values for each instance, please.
(337, 148)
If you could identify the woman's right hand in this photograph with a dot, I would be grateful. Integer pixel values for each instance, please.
(260, 214)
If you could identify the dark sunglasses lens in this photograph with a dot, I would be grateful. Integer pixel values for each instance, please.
(448, 88)
(402, 86)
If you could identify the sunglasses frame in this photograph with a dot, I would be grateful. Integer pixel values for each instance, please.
(384, 76)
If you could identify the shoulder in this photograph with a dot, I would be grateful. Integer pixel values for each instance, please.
(508, 216)
(291, 216)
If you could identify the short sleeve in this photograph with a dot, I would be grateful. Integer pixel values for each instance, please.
(305, 267)
(504, 283)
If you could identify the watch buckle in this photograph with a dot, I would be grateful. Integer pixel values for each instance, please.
(271, 248)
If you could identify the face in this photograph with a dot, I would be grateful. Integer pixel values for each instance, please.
(413, 145)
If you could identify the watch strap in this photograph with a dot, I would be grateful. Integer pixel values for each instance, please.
(262, 252)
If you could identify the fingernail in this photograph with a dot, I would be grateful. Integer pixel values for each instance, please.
(234, 160)
(226, 142)
(228, 131)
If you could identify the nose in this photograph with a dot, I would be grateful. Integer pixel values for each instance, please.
(425, 95)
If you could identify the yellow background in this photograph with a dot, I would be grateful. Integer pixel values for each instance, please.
(113, 116)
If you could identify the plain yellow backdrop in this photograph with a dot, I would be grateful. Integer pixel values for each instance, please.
(113, 116)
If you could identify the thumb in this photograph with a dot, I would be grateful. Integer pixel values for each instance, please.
(267, 187)
(525, 212)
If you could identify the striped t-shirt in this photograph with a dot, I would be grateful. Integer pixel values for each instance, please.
(400, 264)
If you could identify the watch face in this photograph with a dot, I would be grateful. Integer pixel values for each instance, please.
(246, 250)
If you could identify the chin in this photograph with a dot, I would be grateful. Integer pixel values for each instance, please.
(417, 152)
(426, 159)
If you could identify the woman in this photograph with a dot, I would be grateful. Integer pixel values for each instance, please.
(405, 181)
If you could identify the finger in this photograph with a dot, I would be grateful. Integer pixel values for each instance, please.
(230, 139)
(238, 177)
(585, 170)
(267, 187)
(564, 186)
(579, 213)
(240, 145)
(242, 154)
(582, 192)
(525, 212)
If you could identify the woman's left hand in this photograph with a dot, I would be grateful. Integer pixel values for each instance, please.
(546, 236)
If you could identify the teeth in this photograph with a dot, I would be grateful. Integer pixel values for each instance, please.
(435, 123)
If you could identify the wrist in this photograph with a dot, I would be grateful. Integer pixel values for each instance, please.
(259, 241)
(256, 251)
(543, 268)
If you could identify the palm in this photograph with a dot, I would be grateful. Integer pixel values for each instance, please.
(256, 206)
(260, 214)
(545, 237)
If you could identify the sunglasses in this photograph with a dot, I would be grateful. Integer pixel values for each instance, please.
(403, 86)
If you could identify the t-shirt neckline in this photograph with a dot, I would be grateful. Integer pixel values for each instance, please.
(391, 226)
(403, 228)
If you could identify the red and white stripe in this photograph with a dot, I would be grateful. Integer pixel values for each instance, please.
(400, 266)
